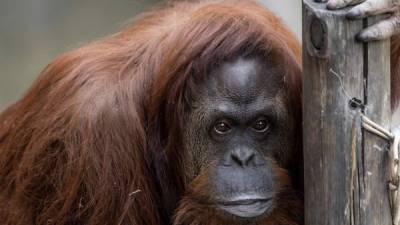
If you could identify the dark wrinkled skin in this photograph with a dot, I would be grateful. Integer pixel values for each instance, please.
(239, 92)
(360, 9)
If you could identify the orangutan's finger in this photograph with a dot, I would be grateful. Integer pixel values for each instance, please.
(338, 4)
(370, 8)
(381, 30)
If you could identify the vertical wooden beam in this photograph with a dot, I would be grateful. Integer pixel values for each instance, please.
(375, 208)
(345, 167)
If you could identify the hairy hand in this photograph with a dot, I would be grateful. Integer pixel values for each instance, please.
(364, 8)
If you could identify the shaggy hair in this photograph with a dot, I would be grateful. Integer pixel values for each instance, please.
(96, 139)
(395, 71)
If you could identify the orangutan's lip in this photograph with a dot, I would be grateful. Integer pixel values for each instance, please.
(246, 207)
(245, 201)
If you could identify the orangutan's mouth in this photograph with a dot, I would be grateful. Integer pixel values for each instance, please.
(246, 207)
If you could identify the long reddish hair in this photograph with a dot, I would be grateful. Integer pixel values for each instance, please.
(96, 139)
(395, 71)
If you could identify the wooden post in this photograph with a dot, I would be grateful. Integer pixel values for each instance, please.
(345, 167)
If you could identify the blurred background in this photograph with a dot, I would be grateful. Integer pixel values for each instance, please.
(34, 32)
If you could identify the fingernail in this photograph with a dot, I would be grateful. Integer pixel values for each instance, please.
(360, 37)
(353, 14)
(331, 5)
(365, 37)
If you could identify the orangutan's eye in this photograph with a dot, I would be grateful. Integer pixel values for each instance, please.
(222, 127)
(261, 125)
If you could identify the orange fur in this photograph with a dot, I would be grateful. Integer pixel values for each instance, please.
(96, 139)
(395, 71)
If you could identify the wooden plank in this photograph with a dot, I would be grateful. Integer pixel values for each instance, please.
(375, 210)
(345, 167)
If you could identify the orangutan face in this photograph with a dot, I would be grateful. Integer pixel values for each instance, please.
(239, 133)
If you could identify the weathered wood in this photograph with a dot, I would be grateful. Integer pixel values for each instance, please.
(345, 166)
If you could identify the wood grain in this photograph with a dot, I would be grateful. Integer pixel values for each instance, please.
(344, 166)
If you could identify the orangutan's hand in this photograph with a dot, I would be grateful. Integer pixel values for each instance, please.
(364, 8)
